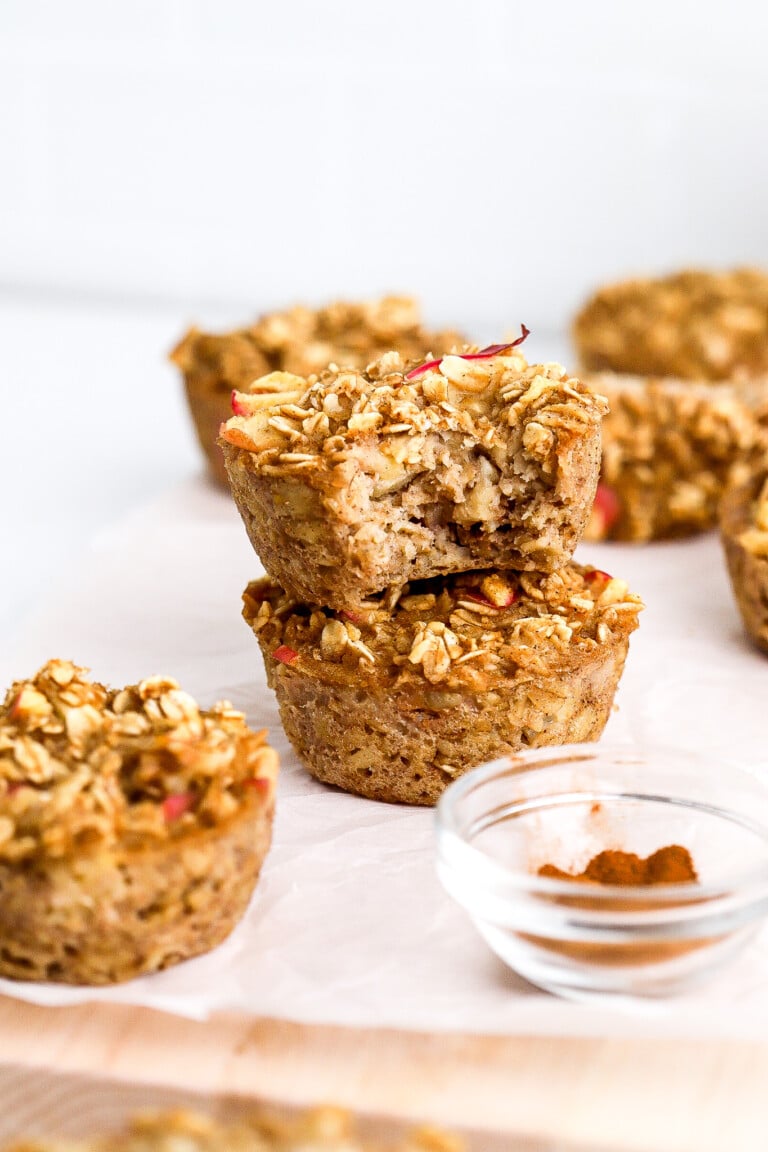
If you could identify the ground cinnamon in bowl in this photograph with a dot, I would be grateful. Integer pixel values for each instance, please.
(550, 851)
(669, 865)
(672, 864)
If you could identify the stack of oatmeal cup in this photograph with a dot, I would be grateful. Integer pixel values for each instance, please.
(421, 612)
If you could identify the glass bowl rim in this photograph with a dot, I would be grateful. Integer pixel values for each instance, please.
(448, 830)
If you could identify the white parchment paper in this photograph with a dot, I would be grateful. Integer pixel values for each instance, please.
(349, 924)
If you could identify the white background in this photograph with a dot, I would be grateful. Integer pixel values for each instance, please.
(163, 161)
(498, 158)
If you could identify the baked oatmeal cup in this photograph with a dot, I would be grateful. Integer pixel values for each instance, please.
(133, 826)
(397, 698)
(300, 340)
(318, 1130)
(744, 533)
(696, 325)
(669, 450)
(355, 481)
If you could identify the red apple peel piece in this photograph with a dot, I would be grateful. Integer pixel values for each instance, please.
(175, 805)
(259, 784)
(483, 354)
(607, 506)
(285, 654)
(238, 408)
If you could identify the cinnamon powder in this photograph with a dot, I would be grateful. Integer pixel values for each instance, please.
(670, 865)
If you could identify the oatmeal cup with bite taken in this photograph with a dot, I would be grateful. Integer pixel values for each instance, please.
(355, 481)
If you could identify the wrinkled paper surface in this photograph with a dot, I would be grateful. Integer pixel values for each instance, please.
(349, 924)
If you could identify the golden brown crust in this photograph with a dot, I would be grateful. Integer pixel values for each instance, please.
(132, 825)
(744, 533)
(395, 700)
(696, 325)
(669, 449)
(355, 481)
(113, 914)
(298, 340)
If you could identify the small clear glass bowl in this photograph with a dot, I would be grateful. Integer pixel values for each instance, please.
(497, 825)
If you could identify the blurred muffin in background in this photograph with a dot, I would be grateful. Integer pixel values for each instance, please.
(696, 325)
(669, 449)
(318, 1130)
(683, 361)
(299, 340)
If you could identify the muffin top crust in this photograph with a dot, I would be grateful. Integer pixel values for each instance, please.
(391, 421)
(474, 631)
(693, 324)
(83, 766)
(305, 340)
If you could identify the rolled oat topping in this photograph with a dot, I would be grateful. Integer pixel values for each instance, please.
(695, 325)
(381, 424)
(83, 766)
(475, 630)
(303, 340)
